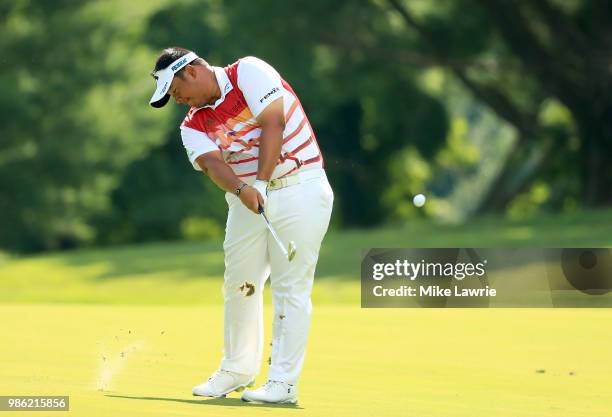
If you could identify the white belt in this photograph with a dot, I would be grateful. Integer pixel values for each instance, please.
(294, 179)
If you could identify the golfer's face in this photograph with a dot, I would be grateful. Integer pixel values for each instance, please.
(185, 91)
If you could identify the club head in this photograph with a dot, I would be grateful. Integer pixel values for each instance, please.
(291, 250)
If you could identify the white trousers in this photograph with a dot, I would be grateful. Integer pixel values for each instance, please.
(301, 213)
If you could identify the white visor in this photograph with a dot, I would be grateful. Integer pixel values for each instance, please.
(165, 76)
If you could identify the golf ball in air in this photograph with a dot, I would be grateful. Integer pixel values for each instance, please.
(419, 200)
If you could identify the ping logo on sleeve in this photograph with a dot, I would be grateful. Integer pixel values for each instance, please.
(274, 90)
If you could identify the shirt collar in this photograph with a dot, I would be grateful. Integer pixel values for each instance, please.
(225, 86)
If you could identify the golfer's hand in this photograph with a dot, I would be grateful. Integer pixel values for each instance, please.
(251, 198)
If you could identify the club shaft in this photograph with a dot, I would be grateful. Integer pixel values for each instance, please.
(271, 229)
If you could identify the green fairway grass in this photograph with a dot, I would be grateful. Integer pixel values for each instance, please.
(421, 363)
(129, 331)
(184, 272)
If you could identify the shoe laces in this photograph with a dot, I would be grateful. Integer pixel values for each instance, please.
(272, 385)
(216, 375)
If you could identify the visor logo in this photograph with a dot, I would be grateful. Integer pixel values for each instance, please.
(178, 64)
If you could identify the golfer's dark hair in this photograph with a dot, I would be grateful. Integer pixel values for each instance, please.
(169, 55)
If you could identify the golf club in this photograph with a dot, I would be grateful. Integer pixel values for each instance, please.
(291, 249)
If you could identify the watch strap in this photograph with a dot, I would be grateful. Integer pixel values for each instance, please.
(239, 189)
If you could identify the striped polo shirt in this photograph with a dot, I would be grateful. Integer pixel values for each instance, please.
(247, 87)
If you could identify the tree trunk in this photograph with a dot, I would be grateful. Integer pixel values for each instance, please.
(519, 170)
(596, 156)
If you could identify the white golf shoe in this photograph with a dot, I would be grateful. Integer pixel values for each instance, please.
(273, 392)
(223, 382)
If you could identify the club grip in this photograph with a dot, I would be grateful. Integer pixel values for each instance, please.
(260, 209)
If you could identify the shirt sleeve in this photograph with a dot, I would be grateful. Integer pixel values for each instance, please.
(196, 143)
(259, 82)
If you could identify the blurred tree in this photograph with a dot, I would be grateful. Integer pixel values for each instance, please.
(69, 119)
(156, 194)
(517, 56)
(84, 159)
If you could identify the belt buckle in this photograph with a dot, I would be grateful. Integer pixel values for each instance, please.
(275, 183)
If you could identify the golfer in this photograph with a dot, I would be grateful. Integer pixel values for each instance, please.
(247, 131)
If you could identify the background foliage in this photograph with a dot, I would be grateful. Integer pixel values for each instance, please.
(487, 106)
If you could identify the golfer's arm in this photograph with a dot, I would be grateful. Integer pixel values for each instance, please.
(272, 122)
(213, 165)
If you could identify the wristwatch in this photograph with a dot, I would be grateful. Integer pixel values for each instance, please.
(239, 189)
